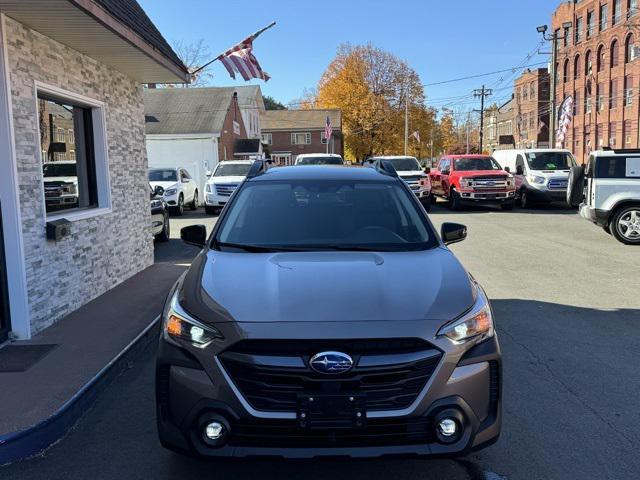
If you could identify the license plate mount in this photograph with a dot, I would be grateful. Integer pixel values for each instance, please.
(321, 412)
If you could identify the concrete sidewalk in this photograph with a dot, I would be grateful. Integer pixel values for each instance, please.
(94, 344)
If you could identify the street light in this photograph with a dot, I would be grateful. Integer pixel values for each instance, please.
(554, 37)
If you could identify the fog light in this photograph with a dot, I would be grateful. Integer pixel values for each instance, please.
(447, 427)
(214, 430)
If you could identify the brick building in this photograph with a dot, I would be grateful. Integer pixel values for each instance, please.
(289, 133)
(498, 129)
(597, 64)
(531, 109)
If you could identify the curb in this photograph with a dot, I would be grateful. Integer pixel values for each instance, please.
(26, 443)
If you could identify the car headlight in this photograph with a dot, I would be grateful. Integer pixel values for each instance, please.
(478, 322)
(171, 191)
(536, 179)
(179, 325)
(207, 188)
(465, 182)
(156, 203)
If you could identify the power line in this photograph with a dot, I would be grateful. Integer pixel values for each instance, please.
(484, 74)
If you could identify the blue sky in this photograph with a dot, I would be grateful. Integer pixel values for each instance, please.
(441, 40)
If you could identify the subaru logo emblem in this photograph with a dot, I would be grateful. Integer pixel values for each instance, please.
(331, 362)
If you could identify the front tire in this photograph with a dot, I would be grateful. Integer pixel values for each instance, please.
(625, 225)
(426, 203)
(194, 204)
(164, 235)
(525, 202)
(179, 210)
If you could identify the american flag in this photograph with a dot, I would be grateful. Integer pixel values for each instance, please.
(328, 129)
(240, 59)
(416, 135)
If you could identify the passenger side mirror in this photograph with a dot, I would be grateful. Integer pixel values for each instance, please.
(507, 169)
(427, 170)
(159, 191)
(185, 180)
(209, 173)
(519, 170)
(444, 172)
(453, 233)
(194, 235)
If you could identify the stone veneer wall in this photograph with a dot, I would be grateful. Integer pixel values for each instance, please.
(104, 250)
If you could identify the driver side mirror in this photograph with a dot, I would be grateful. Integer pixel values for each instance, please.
(444, 172)
(427, 170)
(158, 191)
(507, 169)
(209, 173)
(519, 170)
(453, 233)
(194, 235)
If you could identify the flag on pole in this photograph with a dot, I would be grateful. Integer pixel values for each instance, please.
(565, 116)
(416, 135)
(328, 129)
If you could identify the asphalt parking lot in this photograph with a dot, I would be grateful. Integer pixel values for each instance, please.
(567, 305)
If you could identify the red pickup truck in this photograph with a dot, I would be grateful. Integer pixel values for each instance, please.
(472, 179)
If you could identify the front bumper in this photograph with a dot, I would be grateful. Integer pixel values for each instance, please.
(545, 195)
(190, 390)
(474, 196)
(599, 217)
(214, 200)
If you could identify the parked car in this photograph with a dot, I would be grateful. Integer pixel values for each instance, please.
(160, 226)
(324, 316)
(476, 179)
(179, 188)
(609, 189)
(541, 175)
(319, 159)
(410, 171)
(223, 182)
(60, 184)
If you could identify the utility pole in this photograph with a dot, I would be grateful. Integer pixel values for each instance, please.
(468, 125)
(553, 38)
(482, 93)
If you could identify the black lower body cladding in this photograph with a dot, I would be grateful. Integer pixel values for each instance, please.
(259, 392)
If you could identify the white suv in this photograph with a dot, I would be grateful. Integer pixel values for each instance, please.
(179, 188)
(410, 170)
(227, 176)
(610, 191)
(319, 159)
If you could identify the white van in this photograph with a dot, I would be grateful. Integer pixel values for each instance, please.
(542, 175)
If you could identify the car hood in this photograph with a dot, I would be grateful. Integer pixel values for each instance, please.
(165, 185)
(327, 287)
(61, 180)
(482, 173)
(226, 179)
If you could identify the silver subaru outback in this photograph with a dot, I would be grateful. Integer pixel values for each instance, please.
(324, 316)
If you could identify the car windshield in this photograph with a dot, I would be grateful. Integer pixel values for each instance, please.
(319, 161)
(405, 164)
(232, 170)
(163, 176)
(59, 170)
(469, 164)
(550, 161)
(320, 215)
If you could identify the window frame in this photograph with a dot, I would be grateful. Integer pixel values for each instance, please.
(307, 138)
(269, 137)
(100, 152)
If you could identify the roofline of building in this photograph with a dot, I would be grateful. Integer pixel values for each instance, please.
(117, 27)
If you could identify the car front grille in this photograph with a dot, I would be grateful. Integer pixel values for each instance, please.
(273, 375)
(558, 184)
(498, 182)
(225, 190)
(286, 434)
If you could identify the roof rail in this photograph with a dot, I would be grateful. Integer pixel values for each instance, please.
(626, 150)
(258, 167)
(386, 168)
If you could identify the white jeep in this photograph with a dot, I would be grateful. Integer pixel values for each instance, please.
(609, 189)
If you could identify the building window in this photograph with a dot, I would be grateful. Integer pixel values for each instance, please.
(632, 8)
(612, 134)
(578, 38)
(301, 138)
(525, 93)
(576, 68)
(629, 52)
(628, 91)
(566, 37)
(617, 11)
(518, 95)
(600, 62)
(587, 103)
(588, 64)
(576, 103)
(600, 97)
(267, 138)
(591, 27)
(565, 71)
(69, 176)
(604, 13)
(614, 54)
(613, 94)
(532, 90)
(626, 132)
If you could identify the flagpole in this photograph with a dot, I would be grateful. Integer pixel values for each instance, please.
(250, 37)
(406, 122)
